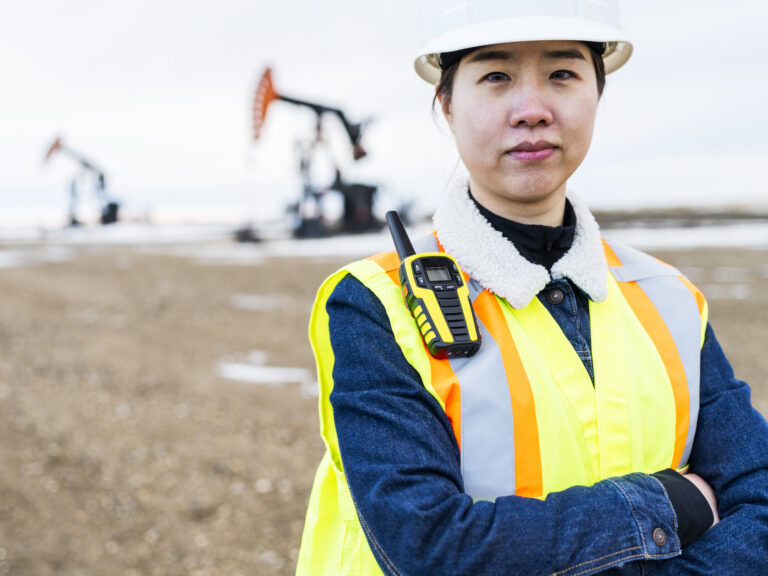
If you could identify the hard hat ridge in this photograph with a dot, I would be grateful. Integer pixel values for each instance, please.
(455, 26)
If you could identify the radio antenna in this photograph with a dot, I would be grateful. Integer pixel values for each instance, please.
(400, 237)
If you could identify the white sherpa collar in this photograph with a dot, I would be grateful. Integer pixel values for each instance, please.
(494, 262)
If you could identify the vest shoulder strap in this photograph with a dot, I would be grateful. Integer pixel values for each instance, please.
(635, 265)
(379, 274)
(628, 264)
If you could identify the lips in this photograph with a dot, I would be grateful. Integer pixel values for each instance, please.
(532, 151)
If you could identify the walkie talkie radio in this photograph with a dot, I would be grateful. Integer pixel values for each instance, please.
(437, 297)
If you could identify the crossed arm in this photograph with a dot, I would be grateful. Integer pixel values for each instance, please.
(403, 469)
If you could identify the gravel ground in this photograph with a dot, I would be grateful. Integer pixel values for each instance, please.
(123, 449)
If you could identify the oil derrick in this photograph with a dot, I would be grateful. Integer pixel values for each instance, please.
(109, 208)
(358, 197)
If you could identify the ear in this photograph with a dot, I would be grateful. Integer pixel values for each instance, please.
(445, 106)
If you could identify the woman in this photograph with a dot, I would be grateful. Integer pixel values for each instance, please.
(554, 449)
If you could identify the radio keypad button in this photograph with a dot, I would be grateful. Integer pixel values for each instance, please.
(448, 296)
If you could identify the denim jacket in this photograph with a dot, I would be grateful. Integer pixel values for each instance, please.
(402, 462)
(402, 466)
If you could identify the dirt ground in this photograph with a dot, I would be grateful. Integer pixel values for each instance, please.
(123, 451)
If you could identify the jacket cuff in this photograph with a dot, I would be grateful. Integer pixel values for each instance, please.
(694, 516)
(653, 515)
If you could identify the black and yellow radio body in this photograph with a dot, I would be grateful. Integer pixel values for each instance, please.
(437, 296)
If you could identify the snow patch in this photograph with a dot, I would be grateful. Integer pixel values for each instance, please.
(752, 235)
(255, 372)
(33, 256)
(259, 302)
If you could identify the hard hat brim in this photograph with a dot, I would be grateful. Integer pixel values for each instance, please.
(618, 48)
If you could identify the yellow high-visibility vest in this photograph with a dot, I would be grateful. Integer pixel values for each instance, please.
(525, 413)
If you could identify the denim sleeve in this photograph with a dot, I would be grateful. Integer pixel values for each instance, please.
(402, 465)
(730, 451)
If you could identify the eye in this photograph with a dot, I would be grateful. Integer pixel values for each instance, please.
(562, 75)
(495, 77)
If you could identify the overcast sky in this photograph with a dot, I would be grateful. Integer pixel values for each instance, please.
(158, 93)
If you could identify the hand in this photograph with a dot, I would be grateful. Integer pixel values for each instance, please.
(708, 493)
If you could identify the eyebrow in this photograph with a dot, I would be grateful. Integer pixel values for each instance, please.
(486, 55)
(572, 54)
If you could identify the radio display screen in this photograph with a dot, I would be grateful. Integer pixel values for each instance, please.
(438, 274)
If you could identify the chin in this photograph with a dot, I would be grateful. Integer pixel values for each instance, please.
(518, 190)
(530, 194)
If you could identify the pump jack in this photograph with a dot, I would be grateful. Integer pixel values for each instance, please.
(109, 208)
(358, 198)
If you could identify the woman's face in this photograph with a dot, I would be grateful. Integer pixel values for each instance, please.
(522, 114)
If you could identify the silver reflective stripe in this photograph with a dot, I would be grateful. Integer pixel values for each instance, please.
(487, 423)
(427, 243)
(680, 315)
(638, 265)
(487, 426)
(474, 289)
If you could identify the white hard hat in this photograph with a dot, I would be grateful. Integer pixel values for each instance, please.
(461, 24)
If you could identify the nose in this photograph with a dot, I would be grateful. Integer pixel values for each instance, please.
(530, 107)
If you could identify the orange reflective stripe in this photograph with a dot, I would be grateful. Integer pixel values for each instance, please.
(390, 263)
(654, 325)
(610, 255)
(528, 480)
(701, 304)
(387, 260)
(446, 384)
(444, 381)
(698, 296)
